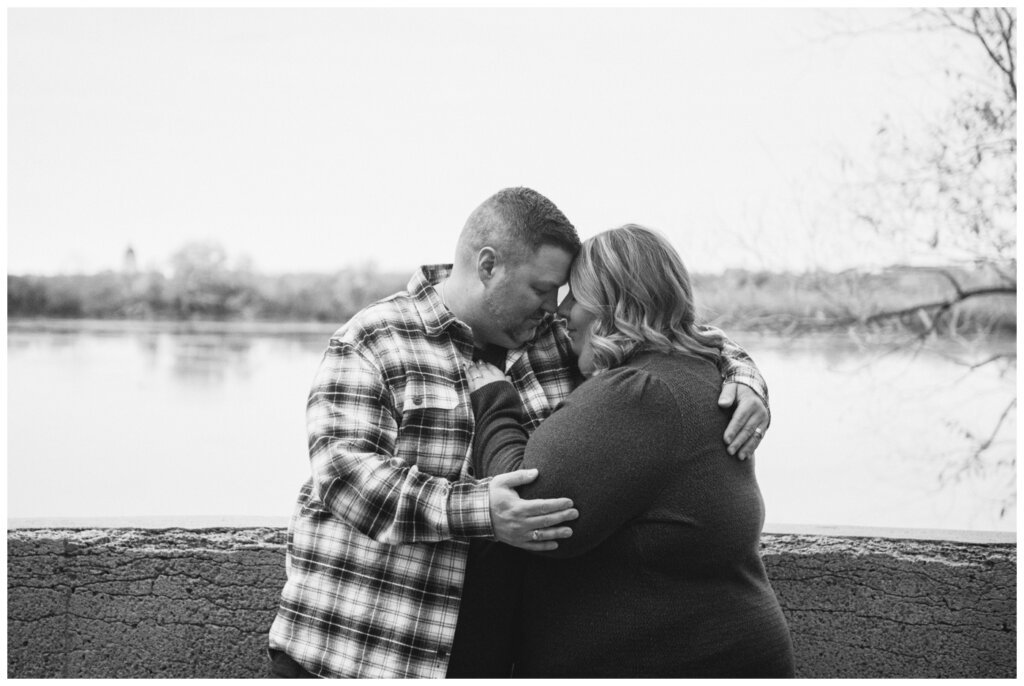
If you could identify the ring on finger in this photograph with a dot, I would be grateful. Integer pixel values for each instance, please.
(758, 432)
(535, 535)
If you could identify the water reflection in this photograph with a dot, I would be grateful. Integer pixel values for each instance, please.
(160, 421)
(209, 359)
(887, 438)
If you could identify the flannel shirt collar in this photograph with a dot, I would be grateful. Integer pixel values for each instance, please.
(436, 317)
(427, 300)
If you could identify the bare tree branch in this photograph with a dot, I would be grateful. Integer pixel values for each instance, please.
(994, 358)
(987, 443)
(997, 59)
(941, 305)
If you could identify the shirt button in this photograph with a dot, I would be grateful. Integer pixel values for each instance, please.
(417, 400)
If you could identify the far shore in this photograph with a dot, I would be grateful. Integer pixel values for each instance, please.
(999, 341)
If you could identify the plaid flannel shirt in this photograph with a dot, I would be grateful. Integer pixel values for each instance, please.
(379, 536)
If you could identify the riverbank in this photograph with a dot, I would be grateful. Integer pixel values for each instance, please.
(738, 300)
(1001, 341)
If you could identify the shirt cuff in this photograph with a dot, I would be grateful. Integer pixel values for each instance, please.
(469, 509)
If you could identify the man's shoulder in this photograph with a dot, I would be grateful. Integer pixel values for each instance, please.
(381, 319)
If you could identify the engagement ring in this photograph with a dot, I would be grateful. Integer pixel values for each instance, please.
(535, 535)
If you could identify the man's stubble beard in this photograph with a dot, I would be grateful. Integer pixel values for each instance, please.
(517, 330)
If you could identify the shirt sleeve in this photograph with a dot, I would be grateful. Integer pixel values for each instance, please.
(607, 448)
(352, 435)
(736, 365)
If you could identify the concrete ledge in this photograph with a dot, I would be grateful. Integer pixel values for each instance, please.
(193, 603)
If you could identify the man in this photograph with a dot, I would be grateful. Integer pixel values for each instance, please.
(379, 538)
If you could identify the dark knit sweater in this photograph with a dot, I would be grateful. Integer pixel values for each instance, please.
(662, 576)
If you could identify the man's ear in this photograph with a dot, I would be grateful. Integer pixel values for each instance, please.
(486, 263)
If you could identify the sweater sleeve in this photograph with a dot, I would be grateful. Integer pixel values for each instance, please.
(500, 440)
(608, 448)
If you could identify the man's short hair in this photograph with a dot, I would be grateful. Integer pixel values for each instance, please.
(519, 221)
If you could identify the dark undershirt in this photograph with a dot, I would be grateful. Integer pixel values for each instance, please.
(491, 354)
(484, 644)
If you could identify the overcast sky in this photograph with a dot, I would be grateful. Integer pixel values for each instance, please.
(317, 139)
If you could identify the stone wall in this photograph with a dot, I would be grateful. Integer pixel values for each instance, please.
(197, 603)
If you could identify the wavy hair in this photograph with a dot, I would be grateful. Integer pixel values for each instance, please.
(635, 284)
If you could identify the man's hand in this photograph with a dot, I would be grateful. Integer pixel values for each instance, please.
(527, 524)
(748, 424)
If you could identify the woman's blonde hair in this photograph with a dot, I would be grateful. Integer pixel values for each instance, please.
(635, 284)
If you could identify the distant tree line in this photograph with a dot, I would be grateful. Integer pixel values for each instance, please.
(202, 286)
(905, 300)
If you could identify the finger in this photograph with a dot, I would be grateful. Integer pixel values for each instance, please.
(728, 395)
(741, 438)
(741, 422)
(751, 433)
(748, 448)
(554, 519)
(559, 508)
(550, 534)
(517, 478)
(537, 547)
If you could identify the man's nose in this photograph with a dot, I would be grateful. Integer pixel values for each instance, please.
(550, 304)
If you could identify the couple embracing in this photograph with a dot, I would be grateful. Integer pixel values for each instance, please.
(504, 485)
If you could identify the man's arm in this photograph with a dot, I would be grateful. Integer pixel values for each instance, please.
(352, 437)
(744, 387)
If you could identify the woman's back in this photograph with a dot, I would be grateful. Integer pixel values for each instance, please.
(663, 575)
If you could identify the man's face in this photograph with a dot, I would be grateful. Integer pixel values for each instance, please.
(518, 296)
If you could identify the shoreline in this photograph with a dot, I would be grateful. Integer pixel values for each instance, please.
(997, 340)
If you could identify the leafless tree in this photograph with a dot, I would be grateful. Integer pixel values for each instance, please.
(949, 188)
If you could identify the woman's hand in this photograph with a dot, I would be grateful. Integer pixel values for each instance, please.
(480, 374)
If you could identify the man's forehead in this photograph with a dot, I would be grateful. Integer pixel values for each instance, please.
(548, 263)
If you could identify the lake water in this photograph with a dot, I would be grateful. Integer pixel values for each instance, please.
(115, 420)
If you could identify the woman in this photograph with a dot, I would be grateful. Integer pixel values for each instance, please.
(662, 576)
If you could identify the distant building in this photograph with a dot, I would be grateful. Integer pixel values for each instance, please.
(129, 264)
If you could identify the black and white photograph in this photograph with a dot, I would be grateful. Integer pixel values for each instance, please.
(511, 342)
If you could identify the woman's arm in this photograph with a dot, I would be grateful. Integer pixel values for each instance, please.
(608, 447)
(500, 440)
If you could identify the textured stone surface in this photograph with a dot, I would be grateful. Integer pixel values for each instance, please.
(870, 607)
(198, 603)
(137, 603)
